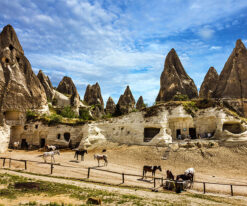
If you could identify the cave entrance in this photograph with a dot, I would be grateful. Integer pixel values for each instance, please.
(67, 136)
(234, 128)
(178, 133)
(42, 142)
(150, 133)
(192, 133)
(24, 144)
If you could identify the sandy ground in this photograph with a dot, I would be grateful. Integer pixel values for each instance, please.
(218, 165)
(170, 197)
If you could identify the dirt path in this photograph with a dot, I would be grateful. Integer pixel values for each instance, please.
(173, 198)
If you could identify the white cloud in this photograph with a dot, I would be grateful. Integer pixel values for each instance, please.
(215, 47)
(206, 33)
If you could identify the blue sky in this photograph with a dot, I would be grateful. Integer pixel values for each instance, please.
(125, 42)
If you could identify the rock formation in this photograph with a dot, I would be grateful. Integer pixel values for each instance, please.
(67, 86)
(140, 103)
(45, 81)
(20, 89)
(174, 80)
(126, 102)
(110, 106)
(209, 84)
(93, 95)
(233, 78)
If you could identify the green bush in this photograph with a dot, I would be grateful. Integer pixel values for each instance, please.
(180, 97)
(31, 115)
(68, 112)
(84, 114)
(190, 108)
(54, 118)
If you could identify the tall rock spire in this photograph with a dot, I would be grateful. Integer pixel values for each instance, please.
(233, 78)
(209, 84)
(126, 102)
(174, 80)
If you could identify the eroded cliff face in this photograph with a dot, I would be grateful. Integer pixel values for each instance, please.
(20, 89)
(174, 80)
(46, 83)
(4, 137)
(110, 106)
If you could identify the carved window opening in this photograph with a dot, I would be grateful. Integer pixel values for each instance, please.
(234, 128)
(11, 47)
(58, 136)
(36, 126)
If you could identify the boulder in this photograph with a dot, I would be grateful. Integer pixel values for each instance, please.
(233, 78)
(20, 88)
(174, 80)
(67, 86)
(45, 81)
(110, 106)
(126, 102)
(209, 84)
(140, 103)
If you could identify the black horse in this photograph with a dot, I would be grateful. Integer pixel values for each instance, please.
(150, 169)
(169, 175)
(80, 152)
(186, 177)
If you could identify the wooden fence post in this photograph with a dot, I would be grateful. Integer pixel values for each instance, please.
(162, 181)
(88, 173)
(231, 190)
(154, 182)
(52, 168)
(9, 162)
(4, 161)
(25, 161)
(122, 177)
(204, 187)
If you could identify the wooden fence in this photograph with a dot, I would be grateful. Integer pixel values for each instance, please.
(123, 175)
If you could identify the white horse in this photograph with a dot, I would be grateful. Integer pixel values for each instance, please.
(101, 157)
(190, 171)
(16, 145)
(51, 153)
(51, 147)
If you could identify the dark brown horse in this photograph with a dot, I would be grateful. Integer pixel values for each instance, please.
(186, 177)
(80, 152)
(150, 169)
(169, 175)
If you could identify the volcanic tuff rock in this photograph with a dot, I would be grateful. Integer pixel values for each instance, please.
(110, 106)
(126, 102)
(20, 89)
(140, 103)
(209, 83)
(93, 95)
(175, 80)
(66, 86)
(45, 81)
(233, 78)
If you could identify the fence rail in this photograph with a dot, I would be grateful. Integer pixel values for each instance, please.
(123, 175)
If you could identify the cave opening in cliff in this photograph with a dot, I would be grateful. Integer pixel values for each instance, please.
(11, 47)
(233, 127)
(42, 142)
(67, 136)
(150, 133)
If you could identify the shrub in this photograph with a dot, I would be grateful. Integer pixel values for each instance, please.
(180, 97)
(84, 114)
(31, 115)
(190, 108)
(68, 112)
(54, 119)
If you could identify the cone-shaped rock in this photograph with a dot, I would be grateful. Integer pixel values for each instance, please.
(126, 102)
(20, 88)
(233, 78)
(140, 103)
(93, 95)
(67, 86)
(209, 84)
(175, 80)
(110, 106)
(45, 81)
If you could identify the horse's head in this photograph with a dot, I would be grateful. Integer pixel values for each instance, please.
(85, 151)
(159, 168)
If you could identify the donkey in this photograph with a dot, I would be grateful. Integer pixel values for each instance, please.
(169, 175)
(150, 169)
(101, 157)
(80, 152)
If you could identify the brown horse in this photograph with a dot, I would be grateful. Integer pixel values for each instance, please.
(150, 169)
(169, 175)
